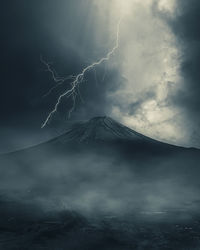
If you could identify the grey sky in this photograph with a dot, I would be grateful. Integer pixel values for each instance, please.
(150, 84)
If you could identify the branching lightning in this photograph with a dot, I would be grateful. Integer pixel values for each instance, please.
(76, 80)
(57, 79)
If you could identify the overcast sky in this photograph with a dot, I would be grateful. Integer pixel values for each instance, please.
(151, 83)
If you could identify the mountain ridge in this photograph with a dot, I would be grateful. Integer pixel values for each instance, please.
(101, 129)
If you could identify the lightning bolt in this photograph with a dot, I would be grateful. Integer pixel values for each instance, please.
(59, 80)
(77, 80)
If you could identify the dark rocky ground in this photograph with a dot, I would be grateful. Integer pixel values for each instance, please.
(69, 230)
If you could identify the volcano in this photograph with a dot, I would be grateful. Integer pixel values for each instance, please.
(104, 132)
(102, 136)
(101, 129)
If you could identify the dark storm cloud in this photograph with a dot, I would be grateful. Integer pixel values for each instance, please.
(30, 29)
(71, 35)
(65, 35)
(186, 29)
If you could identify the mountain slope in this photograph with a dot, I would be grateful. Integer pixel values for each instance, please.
(103, 134)
(101, 129)
(108, 131)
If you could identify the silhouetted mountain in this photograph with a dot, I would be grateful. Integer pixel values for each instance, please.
(105, 134)
(101, 129)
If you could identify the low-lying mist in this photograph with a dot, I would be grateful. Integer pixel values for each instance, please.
(92, 183)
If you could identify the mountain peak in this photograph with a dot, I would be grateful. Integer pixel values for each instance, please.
(100, 128)
(100, 120)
